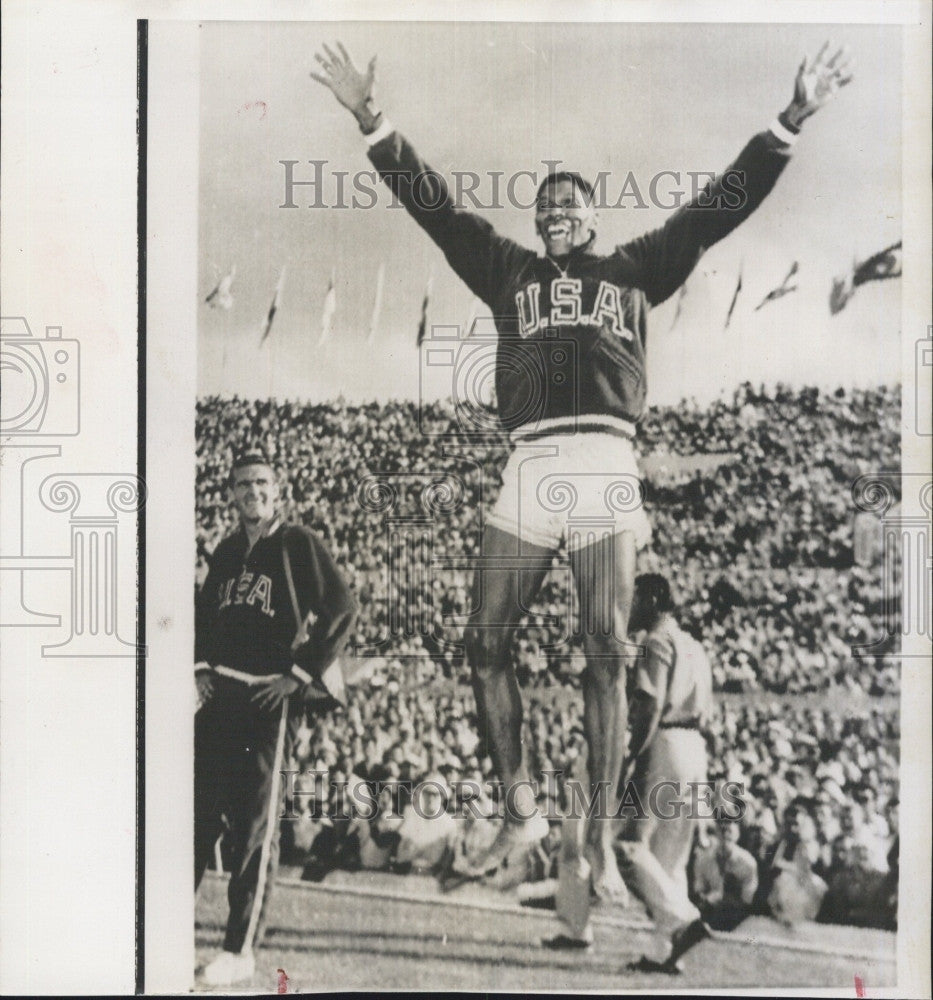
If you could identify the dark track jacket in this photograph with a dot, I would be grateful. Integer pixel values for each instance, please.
(245, 618)
(571, 347)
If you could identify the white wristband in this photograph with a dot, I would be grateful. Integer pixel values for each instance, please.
(784, 134)
(302, 675)
(384, 130)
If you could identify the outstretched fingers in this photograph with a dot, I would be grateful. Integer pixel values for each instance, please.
(819, 56)
(843, 68)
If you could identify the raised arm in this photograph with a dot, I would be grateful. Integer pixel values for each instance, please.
(473, 249)
(666, 256)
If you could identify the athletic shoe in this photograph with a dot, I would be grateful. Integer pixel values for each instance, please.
(564, 942)
(230, 968)
(668, 968)
(456, 879)
(685, 939)
(512, 836)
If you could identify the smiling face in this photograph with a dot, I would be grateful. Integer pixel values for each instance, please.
(564, 217)
(255, 493)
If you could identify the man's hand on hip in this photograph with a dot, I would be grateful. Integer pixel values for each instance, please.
(271, 694)
(204, 684)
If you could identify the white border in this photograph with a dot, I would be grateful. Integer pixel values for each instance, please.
(66, 848)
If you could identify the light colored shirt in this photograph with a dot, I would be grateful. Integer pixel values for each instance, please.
(727, 878)
(676, 672)
(423, 842)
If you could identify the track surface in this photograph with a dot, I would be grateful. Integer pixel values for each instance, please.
(361, 934)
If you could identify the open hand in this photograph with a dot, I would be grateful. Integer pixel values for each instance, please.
(204, 684)
(818, 80)
(352, 88)
(271, 694)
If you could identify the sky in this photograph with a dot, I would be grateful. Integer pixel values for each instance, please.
(484, 97)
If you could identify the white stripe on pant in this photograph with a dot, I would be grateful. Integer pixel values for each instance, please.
(272, 830)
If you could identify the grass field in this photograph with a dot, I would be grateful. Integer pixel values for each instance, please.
(367, 931)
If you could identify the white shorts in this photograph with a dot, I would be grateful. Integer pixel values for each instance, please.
(575, 486)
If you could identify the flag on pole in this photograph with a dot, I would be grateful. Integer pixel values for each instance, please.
(276, 301)
(884, 264)
(377, 304)
(680, 305)
(423, 323)
(220, 296)
(783, 289)
(841, 292)
(879, 267)
(735, 298)
(330, 307)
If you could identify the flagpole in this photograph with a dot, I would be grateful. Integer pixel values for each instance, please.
(226, 334)
(269, 370)
(377, 305)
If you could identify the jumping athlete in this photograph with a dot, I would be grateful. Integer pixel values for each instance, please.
(571, 406)
(273, 615)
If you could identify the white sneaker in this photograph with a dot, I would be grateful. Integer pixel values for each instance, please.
(230, 968)
(510, 837)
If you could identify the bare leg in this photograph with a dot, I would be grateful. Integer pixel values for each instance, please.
(501, 594)
(605, 574)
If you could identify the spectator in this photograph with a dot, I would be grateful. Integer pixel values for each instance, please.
(378, 835)
(428, 833)
(725, 878)
(794, 891)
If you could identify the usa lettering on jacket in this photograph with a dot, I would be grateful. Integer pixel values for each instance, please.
(563, 306)
(247, 588)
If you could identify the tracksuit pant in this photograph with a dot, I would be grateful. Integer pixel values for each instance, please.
(239, 752)
(659, 848)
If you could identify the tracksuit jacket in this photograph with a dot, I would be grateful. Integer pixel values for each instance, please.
(246, 621)
(571, 347)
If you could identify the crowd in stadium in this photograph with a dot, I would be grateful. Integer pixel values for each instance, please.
(759, 547)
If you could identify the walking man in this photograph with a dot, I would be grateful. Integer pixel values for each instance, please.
(671, 706)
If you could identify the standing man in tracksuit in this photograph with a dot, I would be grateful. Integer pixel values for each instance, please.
(571, 406)
(272, 616)
(672, 702)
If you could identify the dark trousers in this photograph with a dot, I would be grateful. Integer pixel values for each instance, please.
(239, 752)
